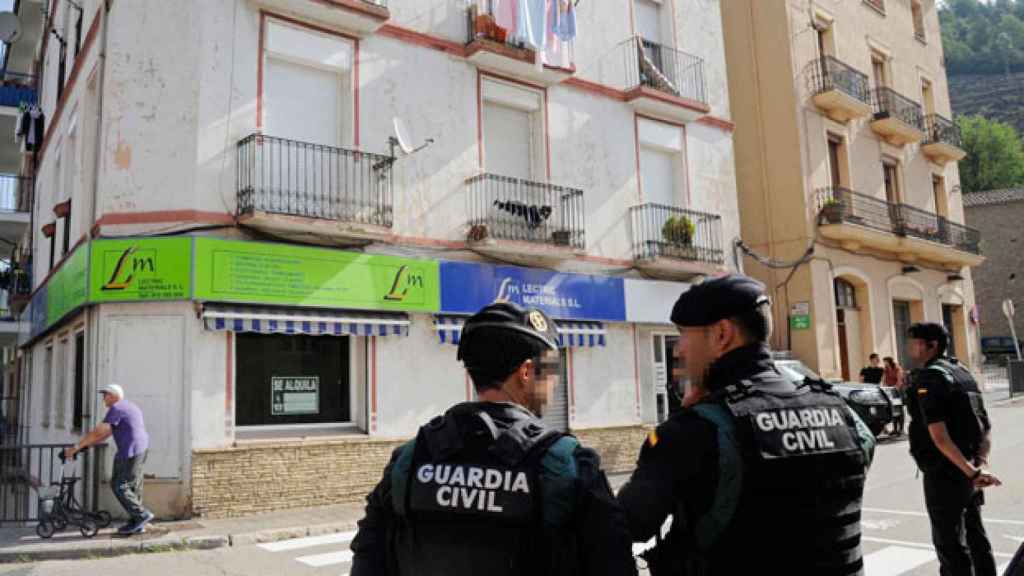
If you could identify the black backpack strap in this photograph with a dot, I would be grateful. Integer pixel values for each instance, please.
(441, 438)
(521, 439)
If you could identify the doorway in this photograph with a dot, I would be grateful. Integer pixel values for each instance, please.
(901, 323)
(668, 376)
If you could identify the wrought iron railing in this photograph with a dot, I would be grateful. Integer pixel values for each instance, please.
(942, 130)
(889, 103)
(15, 193)
(481, 25)
(828, 73)
(671, 232)
(25, 470)
(665, 69)
(504, 208)
(282, 176)
(841, 205)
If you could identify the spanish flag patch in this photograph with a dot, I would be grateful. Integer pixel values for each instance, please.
(652, 439)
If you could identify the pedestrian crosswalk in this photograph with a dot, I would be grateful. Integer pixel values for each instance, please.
(304, 548)
(882, 557)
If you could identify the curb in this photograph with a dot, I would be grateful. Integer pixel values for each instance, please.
(124, 547)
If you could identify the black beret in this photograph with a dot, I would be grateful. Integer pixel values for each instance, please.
(510, 318)
(716, 299)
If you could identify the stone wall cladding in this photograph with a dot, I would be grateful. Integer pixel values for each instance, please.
(275, 476)
(1001, 244)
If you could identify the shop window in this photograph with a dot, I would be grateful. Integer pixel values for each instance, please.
(288, 380)
(61, 381)
(47, 384)
(77, 415)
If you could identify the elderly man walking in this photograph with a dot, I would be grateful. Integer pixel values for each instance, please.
(124, 422)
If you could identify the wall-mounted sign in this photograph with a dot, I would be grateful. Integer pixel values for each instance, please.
(467, 287)
(256, 272)
(141, 269)
(294, 395)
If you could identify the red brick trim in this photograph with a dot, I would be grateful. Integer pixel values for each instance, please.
(716, 122)
(421, 39)
(645, 92)
(365, 8)
(165, 216)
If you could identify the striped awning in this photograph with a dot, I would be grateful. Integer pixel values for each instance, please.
(571, 334)
(303, 321)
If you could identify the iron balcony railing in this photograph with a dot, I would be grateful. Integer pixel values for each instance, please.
(671, 232)
(503, 208)
(889, 103)
(15, 193)
(828, 73)
(481, 25)
(841, 205)
(282, 176)
(665, 69)
(942, 130)
(26, 470)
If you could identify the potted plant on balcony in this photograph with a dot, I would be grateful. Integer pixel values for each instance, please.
(677, 233)
(832, 211)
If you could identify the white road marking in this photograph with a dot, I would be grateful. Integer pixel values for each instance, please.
(879, 524)
(924, 515)
(320, 560)
(308, 542)
(895, 560)
(917, 545)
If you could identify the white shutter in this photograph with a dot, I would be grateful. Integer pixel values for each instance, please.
(507, 141)
(556, 412)
(658, 173)
(302, 103)
(648, 20)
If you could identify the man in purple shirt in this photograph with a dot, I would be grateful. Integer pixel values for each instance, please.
(124, 422)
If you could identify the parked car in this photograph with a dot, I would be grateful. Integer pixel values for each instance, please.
(868, 400)
(999, 347)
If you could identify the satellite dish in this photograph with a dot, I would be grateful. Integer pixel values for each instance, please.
(402, 135)
(10, 27)
(401, 139)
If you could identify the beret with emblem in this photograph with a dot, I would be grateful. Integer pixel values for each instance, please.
(510, 318)
(718, 298)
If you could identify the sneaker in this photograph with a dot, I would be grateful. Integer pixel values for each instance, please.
(146, 518)
(139, 526)
(125, 528)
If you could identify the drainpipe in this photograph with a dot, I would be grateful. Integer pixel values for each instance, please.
(98, 144)
(93, 463)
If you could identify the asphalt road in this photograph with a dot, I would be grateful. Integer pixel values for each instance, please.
(896, 533)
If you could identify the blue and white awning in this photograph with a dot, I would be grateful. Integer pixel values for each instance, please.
(303, 322)
(574, 334)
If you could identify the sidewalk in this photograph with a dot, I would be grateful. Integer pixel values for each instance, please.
(22, 545)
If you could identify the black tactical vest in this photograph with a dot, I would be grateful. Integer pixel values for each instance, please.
(967, 423)
(471, 502)
(802, 481)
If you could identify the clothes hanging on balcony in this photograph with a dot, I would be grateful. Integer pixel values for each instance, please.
(533, 215)
(505, 15)
(565, 27)
(531, 23)
(31, 128)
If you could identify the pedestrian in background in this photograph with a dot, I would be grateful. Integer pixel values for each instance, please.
(124, 422)
(894, 374)
(950, 441)
(873, 372)
(747, 496)
(486, 488)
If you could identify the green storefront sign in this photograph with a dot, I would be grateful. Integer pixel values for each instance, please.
(68, 289)
(800, 322)
(141, 269)
(255, 272)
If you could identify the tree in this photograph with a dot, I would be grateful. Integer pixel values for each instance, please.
(995, 155)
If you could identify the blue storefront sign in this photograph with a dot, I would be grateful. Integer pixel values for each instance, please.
(467, 287)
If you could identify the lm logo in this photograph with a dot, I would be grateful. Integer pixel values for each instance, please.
(403, 281)
(129, 265)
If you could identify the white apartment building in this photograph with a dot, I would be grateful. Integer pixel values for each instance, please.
(267, 219)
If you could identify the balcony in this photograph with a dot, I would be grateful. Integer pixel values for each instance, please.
(16, 282)
(524, 221)
(314, 193)
(664, 82)
(16, 89)
(491, 47)
(676, 243)
(898, 119)
(942, 144)
(859, 221)
(359, 17)
(15, 204)
(839, 90)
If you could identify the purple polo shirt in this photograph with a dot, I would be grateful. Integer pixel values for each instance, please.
(129, 430)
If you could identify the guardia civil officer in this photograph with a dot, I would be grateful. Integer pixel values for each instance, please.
(485, 488)
(761, 474)
(949, 440)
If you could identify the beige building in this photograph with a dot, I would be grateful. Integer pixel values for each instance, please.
(844, 145)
